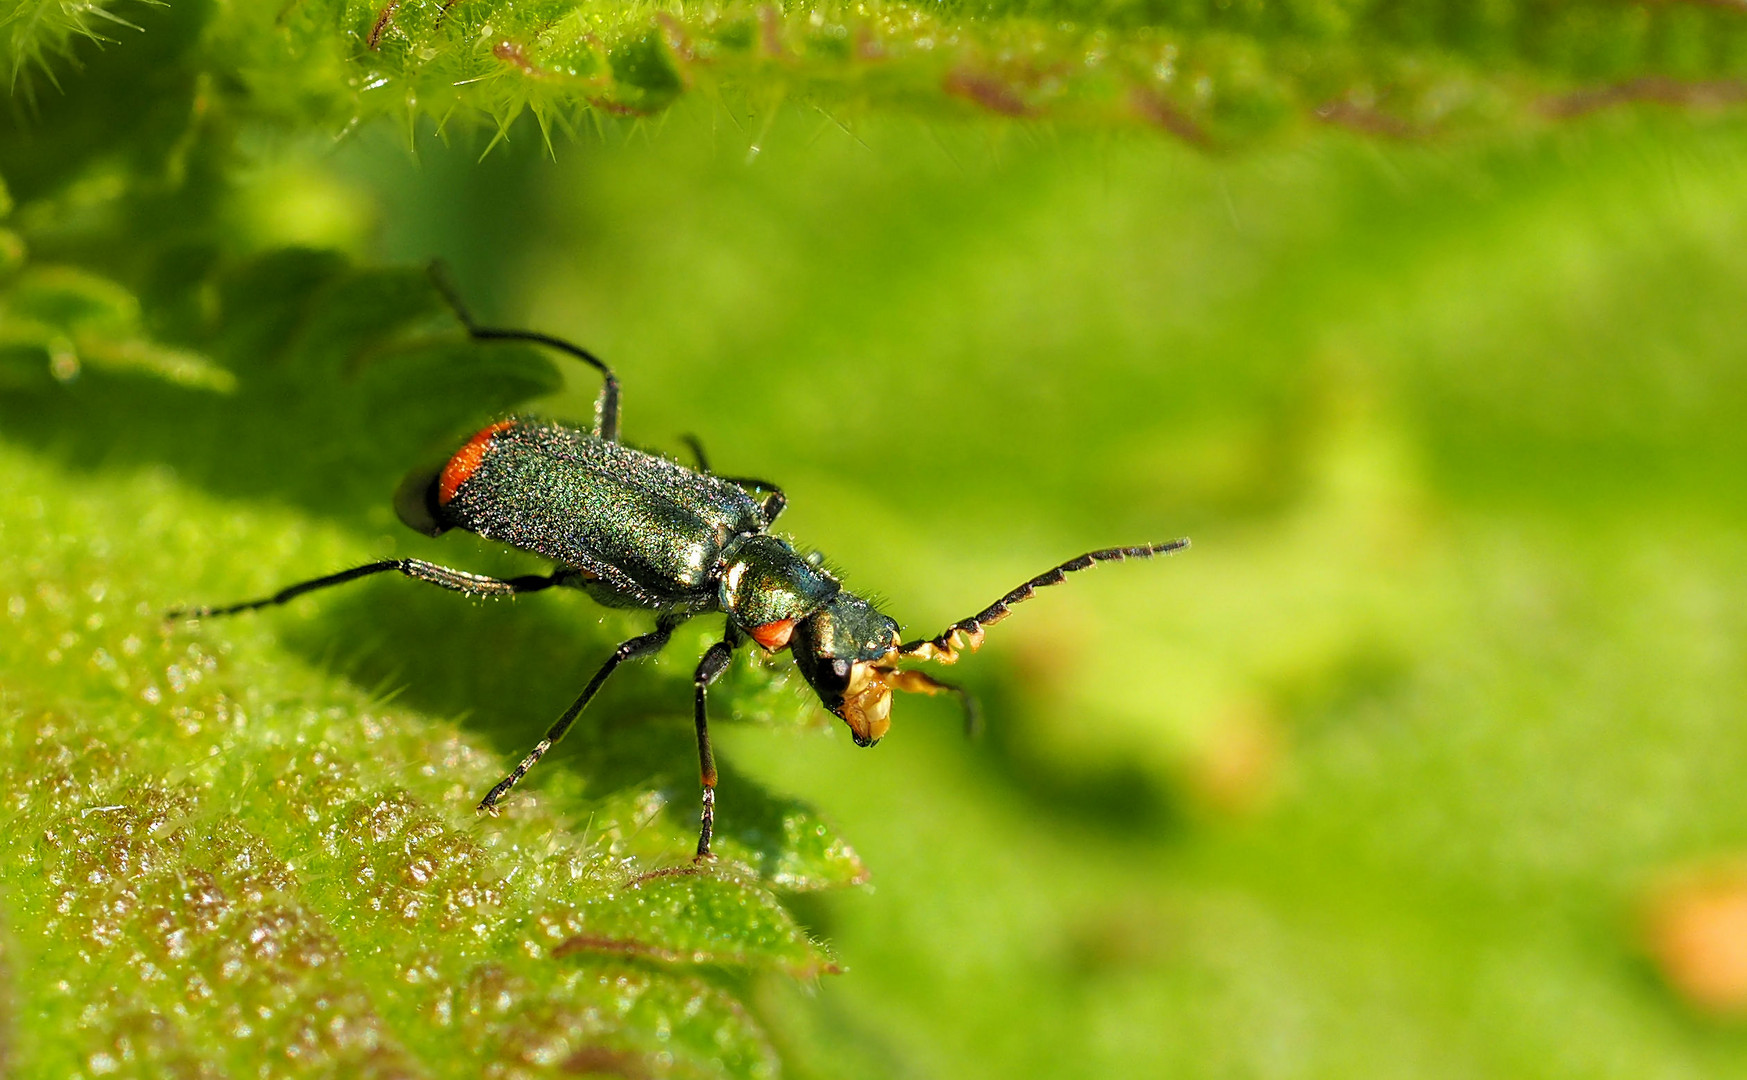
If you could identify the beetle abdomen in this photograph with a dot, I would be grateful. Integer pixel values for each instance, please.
(562, 493)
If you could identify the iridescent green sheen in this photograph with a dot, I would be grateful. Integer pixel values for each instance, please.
(766, 581)
(645, 531)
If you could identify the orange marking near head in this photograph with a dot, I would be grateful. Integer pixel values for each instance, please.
(466, 461)
(774, 635)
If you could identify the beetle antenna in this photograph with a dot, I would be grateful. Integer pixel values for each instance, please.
(606, 407)
(967, 634)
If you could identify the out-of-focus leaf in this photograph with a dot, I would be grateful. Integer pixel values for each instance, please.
(36, 35)
(60, 320)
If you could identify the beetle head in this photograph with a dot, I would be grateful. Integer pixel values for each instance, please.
(842, 650)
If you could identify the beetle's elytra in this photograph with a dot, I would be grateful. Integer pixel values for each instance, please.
(633, 529)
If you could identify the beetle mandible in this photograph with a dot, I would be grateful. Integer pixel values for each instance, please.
(634, 529)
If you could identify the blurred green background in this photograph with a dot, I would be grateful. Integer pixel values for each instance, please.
(1382, 778)
(1373, 780)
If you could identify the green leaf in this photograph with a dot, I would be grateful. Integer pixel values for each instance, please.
(197, 815)
(1452, 671)
(1212, 73)
(61, 319)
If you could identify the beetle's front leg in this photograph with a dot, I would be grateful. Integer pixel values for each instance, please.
(715, 661)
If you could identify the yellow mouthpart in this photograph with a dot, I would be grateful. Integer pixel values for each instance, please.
(867, 703)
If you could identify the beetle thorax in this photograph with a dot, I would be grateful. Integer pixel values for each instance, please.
(765, 583)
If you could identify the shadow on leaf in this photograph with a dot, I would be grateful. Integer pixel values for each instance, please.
(341, 387)
(506, 671)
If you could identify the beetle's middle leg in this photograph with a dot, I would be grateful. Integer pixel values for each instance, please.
(637, 646)
(774, 499)
(715, 661)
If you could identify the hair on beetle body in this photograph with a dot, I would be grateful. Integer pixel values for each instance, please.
(634, 529)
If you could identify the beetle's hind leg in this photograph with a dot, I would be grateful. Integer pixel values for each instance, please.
(637, 646)
(456, 580)
(606, 407)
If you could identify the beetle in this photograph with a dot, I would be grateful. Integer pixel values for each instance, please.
(637, 530)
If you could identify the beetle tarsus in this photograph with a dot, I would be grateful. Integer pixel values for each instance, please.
(628, 650)
(489, 803)
(419, 570)
(706, 826)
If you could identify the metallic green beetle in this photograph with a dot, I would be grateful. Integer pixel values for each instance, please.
(634, 529)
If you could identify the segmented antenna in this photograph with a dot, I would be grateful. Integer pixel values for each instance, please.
(967, 634)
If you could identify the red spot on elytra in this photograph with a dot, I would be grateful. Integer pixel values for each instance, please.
(466, 461)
